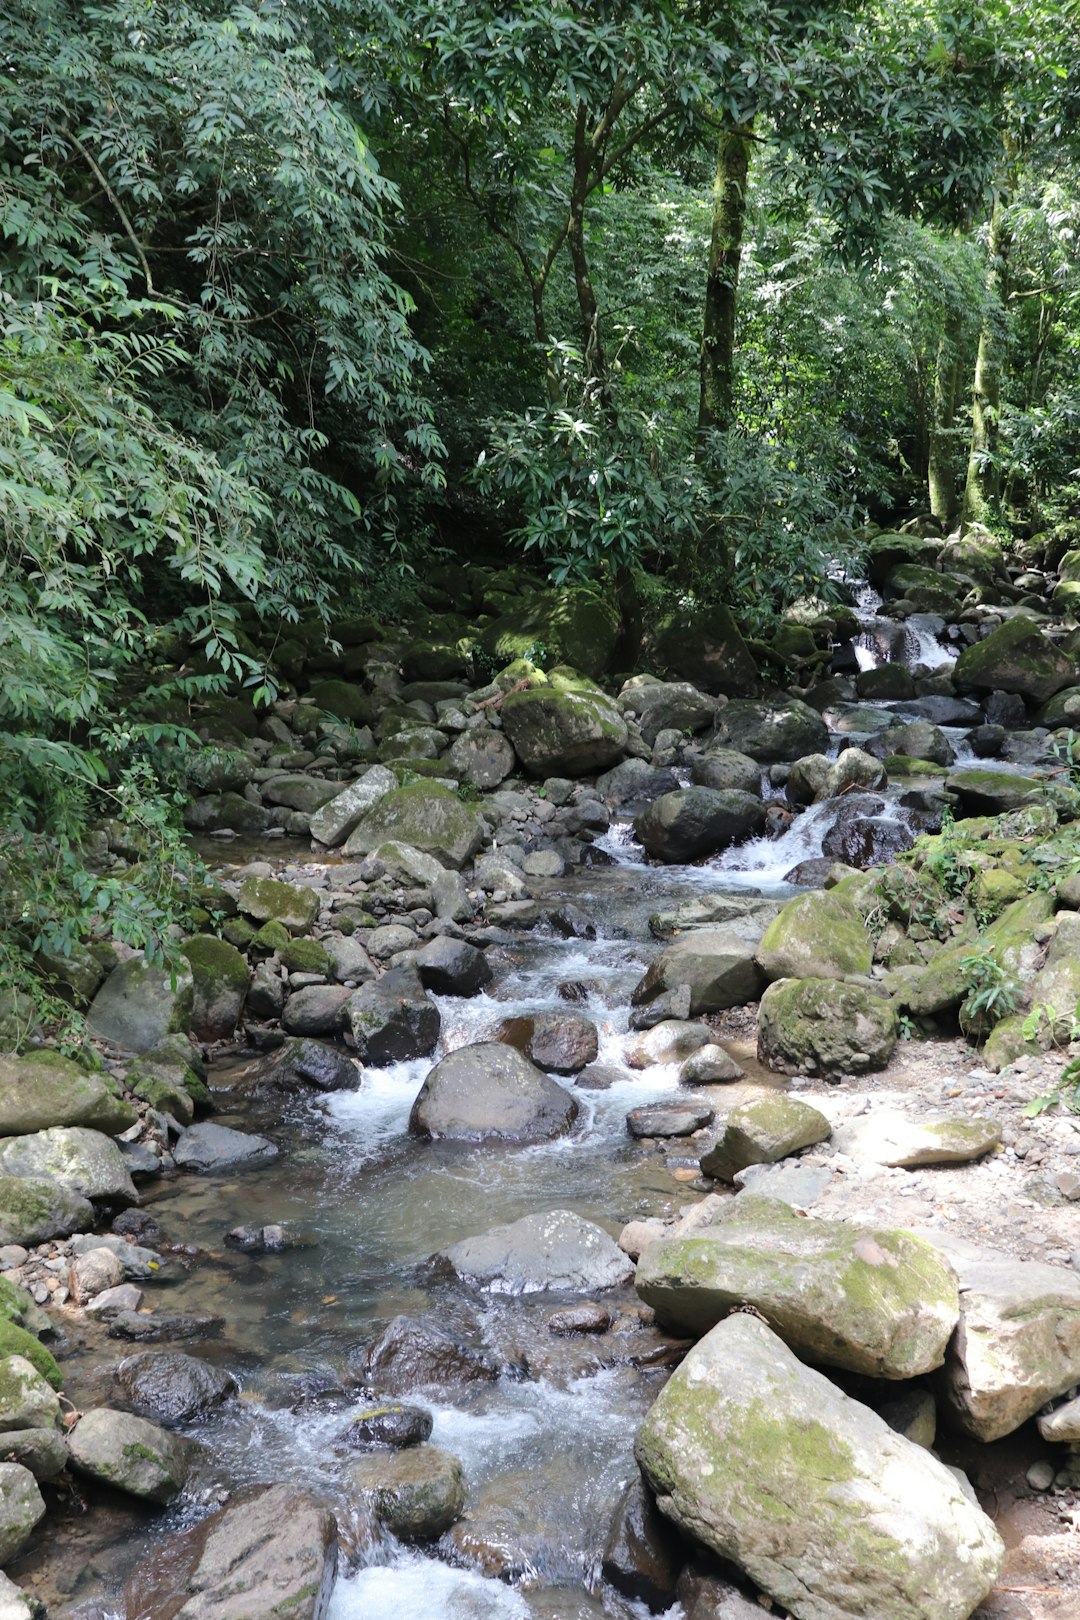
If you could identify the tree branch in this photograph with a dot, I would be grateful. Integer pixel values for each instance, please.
(129, 229)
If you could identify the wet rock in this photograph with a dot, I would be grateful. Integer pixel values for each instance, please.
(111, 1301)
(211, 1148)
(303, 1065)
(643, 1553)
(43, 1452)
(742, 1426)
(424, 816)
(991, 793)
(887, 1137)
(673, 1005)
(557, 1250)
(564, 733)
(173, 1387)
(258, 1239)
(415, 1352)
(698, 821)
(710, 1597)
(21, 1508)
(599, 1077)
(393, 1019)
(669, 1119)
(42, 1089)
(559, 1043)
(764, 1131)
(334, 821)
(718, 965)
(450, 967)
(94, 1272)
(490, 1091)
(27, 1400)
(669, 1041)
(588, 1317)
(131, 1455)
(824, 1026)
(34, 1209)
(269, 1553)
(768, 731)
(392, 1424)
(570, 922)
(138, 1005)
(83, 1161)
(416, 1494)
(709, 1066)
(163, 1327)
(859, 839)
(872, 1301)
(817, 936)
(138, 1224)
(270, 900)
(317, 1009)
(1015, 657)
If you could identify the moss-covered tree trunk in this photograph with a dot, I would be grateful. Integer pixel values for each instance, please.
(983, 482)
(717, 392)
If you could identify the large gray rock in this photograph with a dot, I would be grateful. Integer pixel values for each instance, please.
(824, 1026)
(698, 821)
(393, 1019)
(718, 965)
(335, 820)
(21, 1508)
(86, 1162)
(40, 1089)
(666, 706)
(553, 1250)
(830, 1512)
(138, 1005)
(27, 1401)
(269, 1554)
(557, 733)
(415, 1351)
(818, 936)
(770, 730)
(451, 967)
(171, 1386)
(481, 756)
(34, 1209)
(873, 1301)
(1017, 1345)
(130, 1454)
(211, 1147)
(296, 791)
(416, 1493)
(491, 1092)
(764, 1131)
(724, 769)
(424, 816)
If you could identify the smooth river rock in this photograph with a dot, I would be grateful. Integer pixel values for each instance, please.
(888, 1137)
(171, 1386)
(828, 1510)
(85, 1162)
(132, 1455)
(554, 1250)
(41, 1089)
(764, 1131)
(490, 1091)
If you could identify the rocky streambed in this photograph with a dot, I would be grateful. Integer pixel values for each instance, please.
(556, 1181)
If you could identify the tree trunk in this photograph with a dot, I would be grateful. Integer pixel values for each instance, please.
(983, 484)
(941, 460)
(589, 309)
(717, 393)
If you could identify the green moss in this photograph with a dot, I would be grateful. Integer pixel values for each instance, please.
(305, 956)
(15, 1341)
(215, 963)
(238, 931)
(272, 936)
(15, 1302)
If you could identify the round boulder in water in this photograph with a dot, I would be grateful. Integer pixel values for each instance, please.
(416, 1494)
(491, 1092)
(769, 731)
(698, 821)
(391, 1424)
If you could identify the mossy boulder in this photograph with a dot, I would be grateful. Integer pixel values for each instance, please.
(43, 1088)
(272, 936)
(995, 888)
(564, 733)
(575, 625)
(704, 645)
(764, 1131)
(869, 1300)
(824, 1026)
(220, 977)
(85, 1161)
(140, 1003)
(425, 816)
(770, 730)
(342, 699)
(991, 793)
(270, 900)
(27, 1400)
(171, 1077)
(764, 1460)
(16, 1341)
(131, 1454)
(416, 1493)
(1016, 657)
(818, 936)
(306, 956)
(1010, 940)
(74, 977)
(34, 1209)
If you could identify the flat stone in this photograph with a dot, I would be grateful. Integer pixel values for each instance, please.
(210, 1147)
(764, 1131)
(887, 1137)
(557, 1250)
(669, 1119)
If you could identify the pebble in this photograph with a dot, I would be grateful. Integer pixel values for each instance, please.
(1040, 1476)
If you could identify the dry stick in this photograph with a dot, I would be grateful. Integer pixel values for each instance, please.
(129, 229)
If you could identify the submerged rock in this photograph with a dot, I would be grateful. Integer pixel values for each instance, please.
(829, 1511)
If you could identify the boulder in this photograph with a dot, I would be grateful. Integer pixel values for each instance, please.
(335, 820)
(85, 1162)
(868, 1300)
(450, 967)
(139, 1004)
(771, 730)
(1010, 938)
(317, 1009)
(269, 1554)
(830, 1512)
(295, 791)
(705, 645)
(710, 1065)
(173, 1387)
(21, 1508)
(991, 793)
(392, 1424)
(822, 1026)
(635, 781)
(220, 980)
(269, 900)
(557, 1250)
(1017, 1345)
(887, 1137)
(210, 1147)
(490, 1091)
(416, 1494)
(41, 1089)
(818, 936)
(130, 1454)
(667, 706)
(718, 965)
(393, 1019)
(698, 821)
(171, 1078)
(558, 1043)
(306, 1064)
(1015, 657)
(43, 1452)
(725, 770)
(415, 1351)
(763, 1131)
(643, 1554)
(423, 816)
(481, 756)
(559, 733)
(573, 624)
(27, 1400)
(34, 1209)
